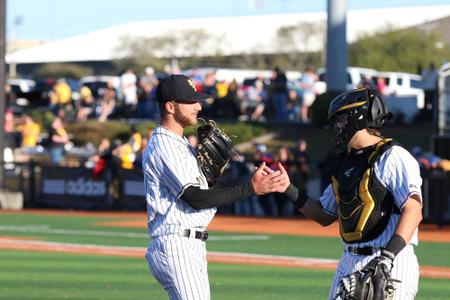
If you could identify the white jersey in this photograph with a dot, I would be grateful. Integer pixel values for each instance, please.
(399, 172)
(169, 167)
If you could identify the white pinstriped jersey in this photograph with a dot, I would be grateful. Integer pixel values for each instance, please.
(399, 172)
(170, 167)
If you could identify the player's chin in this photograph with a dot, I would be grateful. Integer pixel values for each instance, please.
(194, 120)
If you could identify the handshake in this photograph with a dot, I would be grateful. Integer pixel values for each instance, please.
(265, 180)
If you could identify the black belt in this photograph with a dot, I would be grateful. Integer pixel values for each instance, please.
(363, 250)
(201, 235)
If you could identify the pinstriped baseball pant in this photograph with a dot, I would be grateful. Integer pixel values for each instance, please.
(406, 269)
(180, 266)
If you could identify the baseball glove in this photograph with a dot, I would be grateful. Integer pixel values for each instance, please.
(373, 282)
(213, 150)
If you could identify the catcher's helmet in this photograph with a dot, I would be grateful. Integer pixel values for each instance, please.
(352, 111)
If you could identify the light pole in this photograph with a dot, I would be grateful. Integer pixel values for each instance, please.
(2, 86)
(336, 64)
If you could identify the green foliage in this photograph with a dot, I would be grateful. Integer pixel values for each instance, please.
(57, 70)
(399, 50)
(319, 109)
(239, 132)
(93, 131)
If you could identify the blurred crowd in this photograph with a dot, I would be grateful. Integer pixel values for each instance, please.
(129, 96)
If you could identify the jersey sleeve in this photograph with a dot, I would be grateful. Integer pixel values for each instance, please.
(400, 172)
(328, 202)
(177, 167)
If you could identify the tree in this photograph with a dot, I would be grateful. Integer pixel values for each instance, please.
(62, 70)
(156, 51)
(297, 41)
(398, 50)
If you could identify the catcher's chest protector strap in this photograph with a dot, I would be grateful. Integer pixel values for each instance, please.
(364, 204)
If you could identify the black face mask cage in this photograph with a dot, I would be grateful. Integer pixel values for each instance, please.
(343, 126)
(337, 133)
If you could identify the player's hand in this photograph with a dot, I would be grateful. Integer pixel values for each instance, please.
(282, 181)
(266, 180)
(262, 179)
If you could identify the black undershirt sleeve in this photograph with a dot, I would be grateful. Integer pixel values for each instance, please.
(216, 196)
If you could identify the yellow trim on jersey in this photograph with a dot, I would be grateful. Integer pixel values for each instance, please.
(348, 106)
(378, 146)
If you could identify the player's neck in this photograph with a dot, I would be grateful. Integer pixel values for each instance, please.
(363, 139)
(173, 126)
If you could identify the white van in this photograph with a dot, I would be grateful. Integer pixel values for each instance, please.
(404, 84)
(354, 76)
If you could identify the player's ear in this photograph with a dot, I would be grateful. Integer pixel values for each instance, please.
(170, 106)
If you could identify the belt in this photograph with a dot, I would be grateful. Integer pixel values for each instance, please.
(363, 250)
(201, 235)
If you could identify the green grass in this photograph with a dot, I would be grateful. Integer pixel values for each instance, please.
(39, 276)
(36, 275)
(429, 253)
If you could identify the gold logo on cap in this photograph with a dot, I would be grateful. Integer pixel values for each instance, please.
(191, 83)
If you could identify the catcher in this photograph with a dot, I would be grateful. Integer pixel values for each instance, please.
(375, 195)
(180, 191)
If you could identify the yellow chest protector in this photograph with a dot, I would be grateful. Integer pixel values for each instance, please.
(364, 204)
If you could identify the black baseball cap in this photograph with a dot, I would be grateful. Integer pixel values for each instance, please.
(178, 88)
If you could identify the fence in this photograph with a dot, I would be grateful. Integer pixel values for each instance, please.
(44, 185)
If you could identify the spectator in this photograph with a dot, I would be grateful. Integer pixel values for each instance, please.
(139, 154)
(85, 104)
(107, 105)
(209, 88)
(59, 138)
(381, 87)
(429, 84)
(308, 81)
(429, 161)
(129, 90)
(30, 132)
(135, 139)
(293, 106)
(267, 202)
(229, 106)
(283, 204)
(279, 93)
(127, 156)
(147, 107)
(367, 82)
(255, 101)
(12, 138)
(60, 96)
(303, 169)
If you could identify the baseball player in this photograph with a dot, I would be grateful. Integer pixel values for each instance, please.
(375, 196)
(180, 203)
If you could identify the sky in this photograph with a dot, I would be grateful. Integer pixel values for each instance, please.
(56, 19)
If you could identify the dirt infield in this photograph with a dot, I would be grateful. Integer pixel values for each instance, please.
(298, 227)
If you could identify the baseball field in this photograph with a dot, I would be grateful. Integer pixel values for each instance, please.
(47, 254)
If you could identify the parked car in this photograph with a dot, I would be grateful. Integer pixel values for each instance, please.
(97, 84)
(403, 84)
(354, 76)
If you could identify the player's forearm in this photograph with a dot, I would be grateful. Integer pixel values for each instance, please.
(216, 196)
(409, 220)
(309, 206)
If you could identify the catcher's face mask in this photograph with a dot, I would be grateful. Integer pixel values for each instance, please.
(337, 133)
